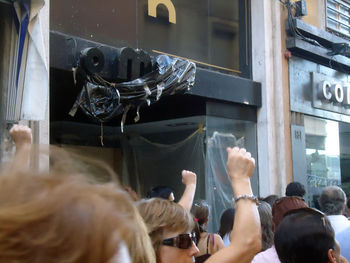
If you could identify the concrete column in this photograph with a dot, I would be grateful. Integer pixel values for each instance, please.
(269, 68)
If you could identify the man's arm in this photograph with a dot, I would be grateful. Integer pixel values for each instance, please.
(189, 179)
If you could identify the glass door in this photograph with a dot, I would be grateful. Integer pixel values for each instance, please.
(322, 156)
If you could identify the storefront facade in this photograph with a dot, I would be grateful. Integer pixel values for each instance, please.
(320, 127)
(189, 131)
(319, 104)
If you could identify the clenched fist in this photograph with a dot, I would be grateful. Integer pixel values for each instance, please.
(21, 135)
(240, 163)
(188, 177)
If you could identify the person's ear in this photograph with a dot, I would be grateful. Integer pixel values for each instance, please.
(331, 256)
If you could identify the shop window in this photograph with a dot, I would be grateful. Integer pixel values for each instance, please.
(157, 156)
(338, 16)
(322, 156)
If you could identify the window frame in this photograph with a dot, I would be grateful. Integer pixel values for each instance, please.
(338, 21)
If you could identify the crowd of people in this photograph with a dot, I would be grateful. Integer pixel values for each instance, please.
(63, 215)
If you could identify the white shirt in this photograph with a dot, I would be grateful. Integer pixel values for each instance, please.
(339, 223)
(267, 256)
(344, 242)
(226, 239)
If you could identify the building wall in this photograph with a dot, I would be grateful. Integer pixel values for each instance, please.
(5, 45)
(40, 129)
(316, 13)
(270, 68)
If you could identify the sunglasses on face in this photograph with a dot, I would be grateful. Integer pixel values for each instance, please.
(183, 241)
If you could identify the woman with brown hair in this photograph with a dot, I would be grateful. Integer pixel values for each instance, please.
(208, 243)
(169, 225)
(63, 216)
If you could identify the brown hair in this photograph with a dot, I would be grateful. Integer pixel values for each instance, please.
(200, 212)
(163, 216)
(62, 216)
(284, 205)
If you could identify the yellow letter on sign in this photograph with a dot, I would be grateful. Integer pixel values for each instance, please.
(152, 9)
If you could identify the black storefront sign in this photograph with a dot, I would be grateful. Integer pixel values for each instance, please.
(213, 33)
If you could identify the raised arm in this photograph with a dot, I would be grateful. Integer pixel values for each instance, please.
(189, 179)
(22, 137)
(246, 233)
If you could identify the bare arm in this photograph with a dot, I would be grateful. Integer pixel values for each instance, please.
(218, 243)
(246, 233)
(189, 179)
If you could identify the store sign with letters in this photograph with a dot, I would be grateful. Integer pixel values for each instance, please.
(330, 94)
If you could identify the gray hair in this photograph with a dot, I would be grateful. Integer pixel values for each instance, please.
(332, 200)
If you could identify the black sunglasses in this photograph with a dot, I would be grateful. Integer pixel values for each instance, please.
(183, 241)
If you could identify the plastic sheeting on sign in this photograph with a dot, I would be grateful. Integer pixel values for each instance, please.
(102, 100)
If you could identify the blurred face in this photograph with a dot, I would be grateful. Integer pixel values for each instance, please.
(172, 254)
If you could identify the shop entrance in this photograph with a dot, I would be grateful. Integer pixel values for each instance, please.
(327, 150)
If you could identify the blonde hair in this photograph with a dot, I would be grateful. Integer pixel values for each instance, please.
(64, 216)
(163, 216)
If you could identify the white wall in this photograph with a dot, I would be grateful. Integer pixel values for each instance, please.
(267, 64)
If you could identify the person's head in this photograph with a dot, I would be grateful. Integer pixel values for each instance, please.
(295, 189)
(56, 219)
(61, 216)
(332, 200)
(306, 235)
(226, 222)
(265, 213)
(200, 212)
(165, 192)
(169, 227)
(271, 199)
(284, 205)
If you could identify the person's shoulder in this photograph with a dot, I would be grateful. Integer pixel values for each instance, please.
(217, 237)
(217, 241)
(267, 256)
(345, 234)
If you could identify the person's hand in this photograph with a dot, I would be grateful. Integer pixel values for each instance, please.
(240, 164)
(188, 177)
(21, 135)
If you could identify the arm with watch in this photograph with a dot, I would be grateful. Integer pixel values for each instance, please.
(246, 233)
